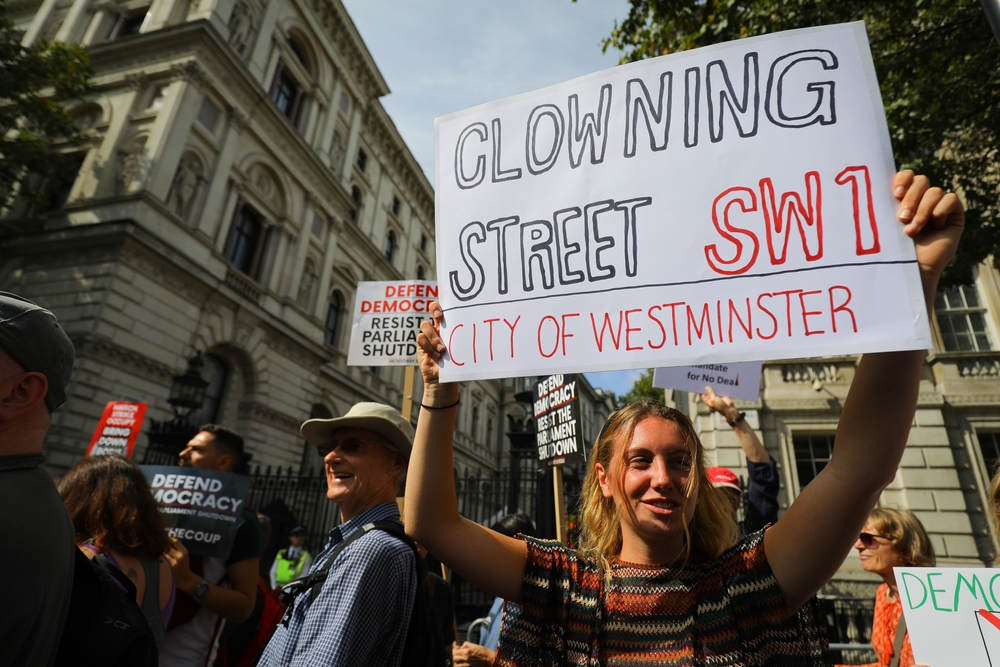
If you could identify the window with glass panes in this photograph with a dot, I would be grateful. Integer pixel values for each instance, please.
(962, 319)
(246, 237)
(285, 94)
(989, 445)
(812, 453)
(333, 318)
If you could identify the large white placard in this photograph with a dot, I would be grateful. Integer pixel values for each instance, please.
(387, 317)
(731, 203)
(952, 615)
(735, 380)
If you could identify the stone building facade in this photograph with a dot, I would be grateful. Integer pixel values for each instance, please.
(238, 177)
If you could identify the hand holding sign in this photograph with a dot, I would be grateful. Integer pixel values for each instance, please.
(935, 220)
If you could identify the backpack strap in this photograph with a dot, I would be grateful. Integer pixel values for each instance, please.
(151, 601)
(315, 579)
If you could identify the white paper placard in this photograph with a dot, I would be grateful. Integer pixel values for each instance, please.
(727, 204)
(952, 614)
(387, 318)
(735, 380)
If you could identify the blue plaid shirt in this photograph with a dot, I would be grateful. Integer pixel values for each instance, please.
(362, 613)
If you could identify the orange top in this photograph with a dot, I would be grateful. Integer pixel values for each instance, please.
(884, 631)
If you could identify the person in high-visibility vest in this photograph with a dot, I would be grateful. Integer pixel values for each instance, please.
(293, 562)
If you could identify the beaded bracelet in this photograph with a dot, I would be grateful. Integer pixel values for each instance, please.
(439, 407)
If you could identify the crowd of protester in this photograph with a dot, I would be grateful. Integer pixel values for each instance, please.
(659, 532)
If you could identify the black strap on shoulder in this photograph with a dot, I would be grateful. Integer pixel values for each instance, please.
(313, 582)
(102, 562)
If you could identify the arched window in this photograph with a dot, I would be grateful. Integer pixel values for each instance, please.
(474, 431)
(216, 372)
(353, 214)
(300, 54)
(333, 318)
(390, 245)
(245, 241)
(420, 271)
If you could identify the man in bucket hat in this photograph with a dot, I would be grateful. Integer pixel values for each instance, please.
(36, 577)
(360, 613)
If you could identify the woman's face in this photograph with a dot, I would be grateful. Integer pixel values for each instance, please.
(657, 469)
(877, 555)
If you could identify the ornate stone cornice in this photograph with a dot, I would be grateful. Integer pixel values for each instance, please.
(164, 273)
(260, 412)
(99, 349)
(192, 72)
(199, 42)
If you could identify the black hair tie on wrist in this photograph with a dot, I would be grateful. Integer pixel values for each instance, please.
(439, 407)
(739, 417)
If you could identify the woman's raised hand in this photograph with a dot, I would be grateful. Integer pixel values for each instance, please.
(934, 219)
(430, 347)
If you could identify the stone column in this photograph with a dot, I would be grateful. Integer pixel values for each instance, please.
(168, 135)
(215, 200)
(326, 270)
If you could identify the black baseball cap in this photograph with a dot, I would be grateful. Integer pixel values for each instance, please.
(33, 338)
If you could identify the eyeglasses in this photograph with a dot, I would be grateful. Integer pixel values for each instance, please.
(868, 540)
(346, 446)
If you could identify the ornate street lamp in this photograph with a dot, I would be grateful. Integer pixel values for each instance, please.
(187, 394)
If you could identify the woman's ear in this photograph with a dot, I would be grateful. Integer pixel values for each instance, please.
(602, 478)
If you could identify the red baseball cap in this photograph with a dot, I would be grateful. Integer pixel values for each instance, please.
(723, 477)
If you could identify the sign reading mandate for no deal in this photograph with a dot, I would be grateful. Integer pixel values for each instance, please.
(558, 429)
(952, 615)
(732, 203)
(387, 317)
(738, 380)
(202, 506)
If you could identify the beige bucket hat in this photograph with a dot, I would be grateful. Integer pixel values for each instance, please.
(381, 419)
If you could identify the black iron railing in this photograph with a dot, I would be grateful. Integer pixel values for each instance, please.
(849, 623)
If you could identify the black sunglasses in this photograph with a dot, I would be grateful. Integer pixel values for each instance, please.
(346, 446)
(868, 539)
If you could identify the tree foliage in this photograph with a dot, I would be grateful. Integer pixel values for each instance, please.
(36, 80)
(642, 388)
(938, 68)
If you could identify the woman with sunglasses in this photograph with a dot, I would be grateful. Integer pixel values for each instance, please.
(892, 538)
(660, 578)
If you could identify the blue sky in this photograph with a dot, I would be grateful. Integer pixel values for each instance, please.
(441, 56)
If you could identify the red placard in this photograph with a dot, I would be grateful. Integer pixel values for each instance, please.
(118, 429)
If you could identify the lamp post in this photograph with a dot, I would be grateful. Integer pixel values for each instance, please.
(187, 394)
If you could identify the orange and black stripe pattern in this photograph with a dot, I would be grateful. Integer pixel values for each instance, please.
(728, 612)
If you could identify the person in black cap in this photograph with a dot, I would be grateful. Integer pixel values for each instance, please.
(293, 562)
(36, 359)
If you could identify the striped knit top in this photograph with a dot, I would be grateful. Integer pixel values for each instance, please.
(728, 612)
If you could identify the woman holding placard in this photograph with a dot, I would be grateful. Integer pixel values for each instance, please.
(892, 538)
(660, 577)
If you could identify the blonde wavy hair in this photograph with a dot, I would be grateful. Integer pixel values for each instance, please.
(906, 535)
(710, 532)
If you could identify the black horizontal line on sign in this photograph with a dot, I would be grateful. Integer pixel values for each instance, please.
(682, 283)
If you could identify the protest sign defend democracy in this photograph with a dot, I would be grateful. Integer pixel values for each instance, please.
(386, 321)
(202, 506)
(727, 204)
(952, 614)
